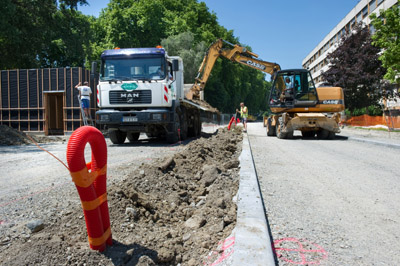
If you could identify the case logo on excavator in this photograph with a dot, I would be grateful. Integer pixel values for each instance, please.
(330, 102)
(254, 64)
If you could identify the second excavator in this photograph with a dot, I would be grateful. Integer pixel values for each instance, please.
(295, 102)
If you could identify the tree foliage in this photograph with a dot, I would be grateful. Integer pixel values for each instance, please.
(50, 33)
(355, 67)
(387, 37)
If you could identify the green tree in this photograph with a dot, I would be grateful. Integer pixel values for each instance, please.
(70, 39)
(24, 27)
(387, 37)
(183, 45)
(355, 67)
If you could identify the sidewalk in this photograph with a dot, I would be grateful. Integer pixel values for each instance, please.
(373, 136)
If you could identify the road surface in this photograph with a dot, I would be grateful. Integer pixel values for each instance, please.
(329, 202)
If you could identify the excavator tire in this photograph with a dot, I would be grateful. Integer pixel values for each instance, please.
(271, 131)
(279, 133)
(117, 136)
(308, 134)
(331, 135)
(322, 134)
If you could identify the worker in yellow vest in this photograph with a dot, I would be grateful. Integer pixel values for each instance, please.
(243, 114)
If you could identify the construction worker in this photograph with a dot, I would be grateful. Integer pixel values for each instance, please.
(84, 92)
(243, 114)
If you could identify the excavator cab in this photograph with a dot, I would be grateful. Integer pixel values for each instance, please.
(293, 88)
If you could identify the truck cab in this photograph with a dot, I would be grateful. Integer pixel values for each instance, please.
(138, 92)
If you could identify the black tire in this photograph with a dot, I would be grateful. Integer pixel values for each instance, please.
(195, 130)
(308, 134)
(172, 136)
(270, 128)
(322, 134)
(279, 133)
(332, 135)
(289, 135)
(183, 124)
(117, 136)
(133, 136)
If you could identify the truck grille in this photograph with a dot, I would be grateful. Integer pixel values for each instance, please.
(132, 97)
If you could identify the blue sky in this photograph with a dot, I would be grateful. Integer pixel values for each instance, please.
(283, 31)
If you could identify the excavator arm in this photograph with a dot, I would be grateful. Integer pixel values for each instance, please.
(237, 54)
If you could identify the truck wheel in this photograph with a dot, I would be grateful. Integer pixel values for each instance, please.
(270, 128)
(195, 129)
(308, 134)
(198, 125)
(183, 124)
(172, 137)
(117, 136)
(322, 134)
(133, 136)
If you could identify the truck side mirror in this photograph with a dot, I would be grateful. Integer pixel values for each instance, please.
(175, 65)
(93, 71)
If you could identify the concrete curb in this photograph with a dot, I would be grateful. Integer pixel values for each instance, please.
(380, 143)
(252, 239)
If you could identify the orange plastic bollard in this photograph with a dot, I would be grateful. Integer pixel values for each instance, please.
(230, 123)
(90, 181)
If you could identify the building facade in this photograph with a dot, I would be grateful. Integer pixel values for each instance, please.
(316, 60)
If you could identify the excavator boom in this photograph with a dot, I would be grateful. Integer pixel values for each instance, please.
(234, 53)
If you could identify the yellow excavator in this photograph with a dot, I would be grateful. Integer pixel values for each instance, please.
(295, 102)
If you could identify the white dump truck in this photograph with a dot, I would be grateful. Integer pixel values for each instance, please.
(141, 90)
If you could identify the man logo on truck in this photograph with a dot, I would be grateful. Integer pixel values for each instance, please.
(129, 96)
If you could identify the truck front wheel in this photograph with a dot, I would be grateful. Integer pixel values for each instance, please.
(133, 136)
(117, 136)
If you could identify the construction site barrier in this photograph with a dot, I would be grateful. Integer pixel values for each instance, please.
(90, 181)
(230, 122)
(366, 121)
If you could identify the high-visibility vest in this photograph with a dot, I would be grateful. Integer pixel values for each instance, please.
(243, 112)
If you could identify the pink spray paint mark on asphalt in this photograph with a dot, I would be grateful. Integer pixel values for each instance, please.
(299, 255)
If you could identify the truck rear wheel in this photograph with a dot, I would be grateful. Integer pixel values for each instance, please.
(133, 136)
(183, 124)
(117, 136)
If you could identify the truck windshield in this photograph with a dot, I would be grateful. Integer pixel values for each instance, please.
(133, 69)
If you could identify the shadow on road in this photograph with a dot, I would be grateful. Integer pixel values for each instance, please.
(157, 142)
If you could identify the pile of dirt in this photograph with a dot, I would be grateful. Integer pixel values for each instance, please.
(11, 136)
(170, 212)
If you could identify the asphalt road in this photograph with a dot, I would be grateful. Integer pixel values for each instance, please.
(330, 202)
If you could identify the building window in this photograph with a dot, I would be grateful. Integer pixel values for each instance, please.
(372, 6)
(365, 12)
(380, 2)
(352, 22)
(359, 17)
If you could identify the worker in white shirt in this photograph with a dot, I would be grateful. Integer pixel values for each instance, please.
(84, 92)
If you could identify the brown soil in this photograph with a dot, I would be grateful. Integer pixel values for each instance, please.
(173, 211)
(11, 136)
